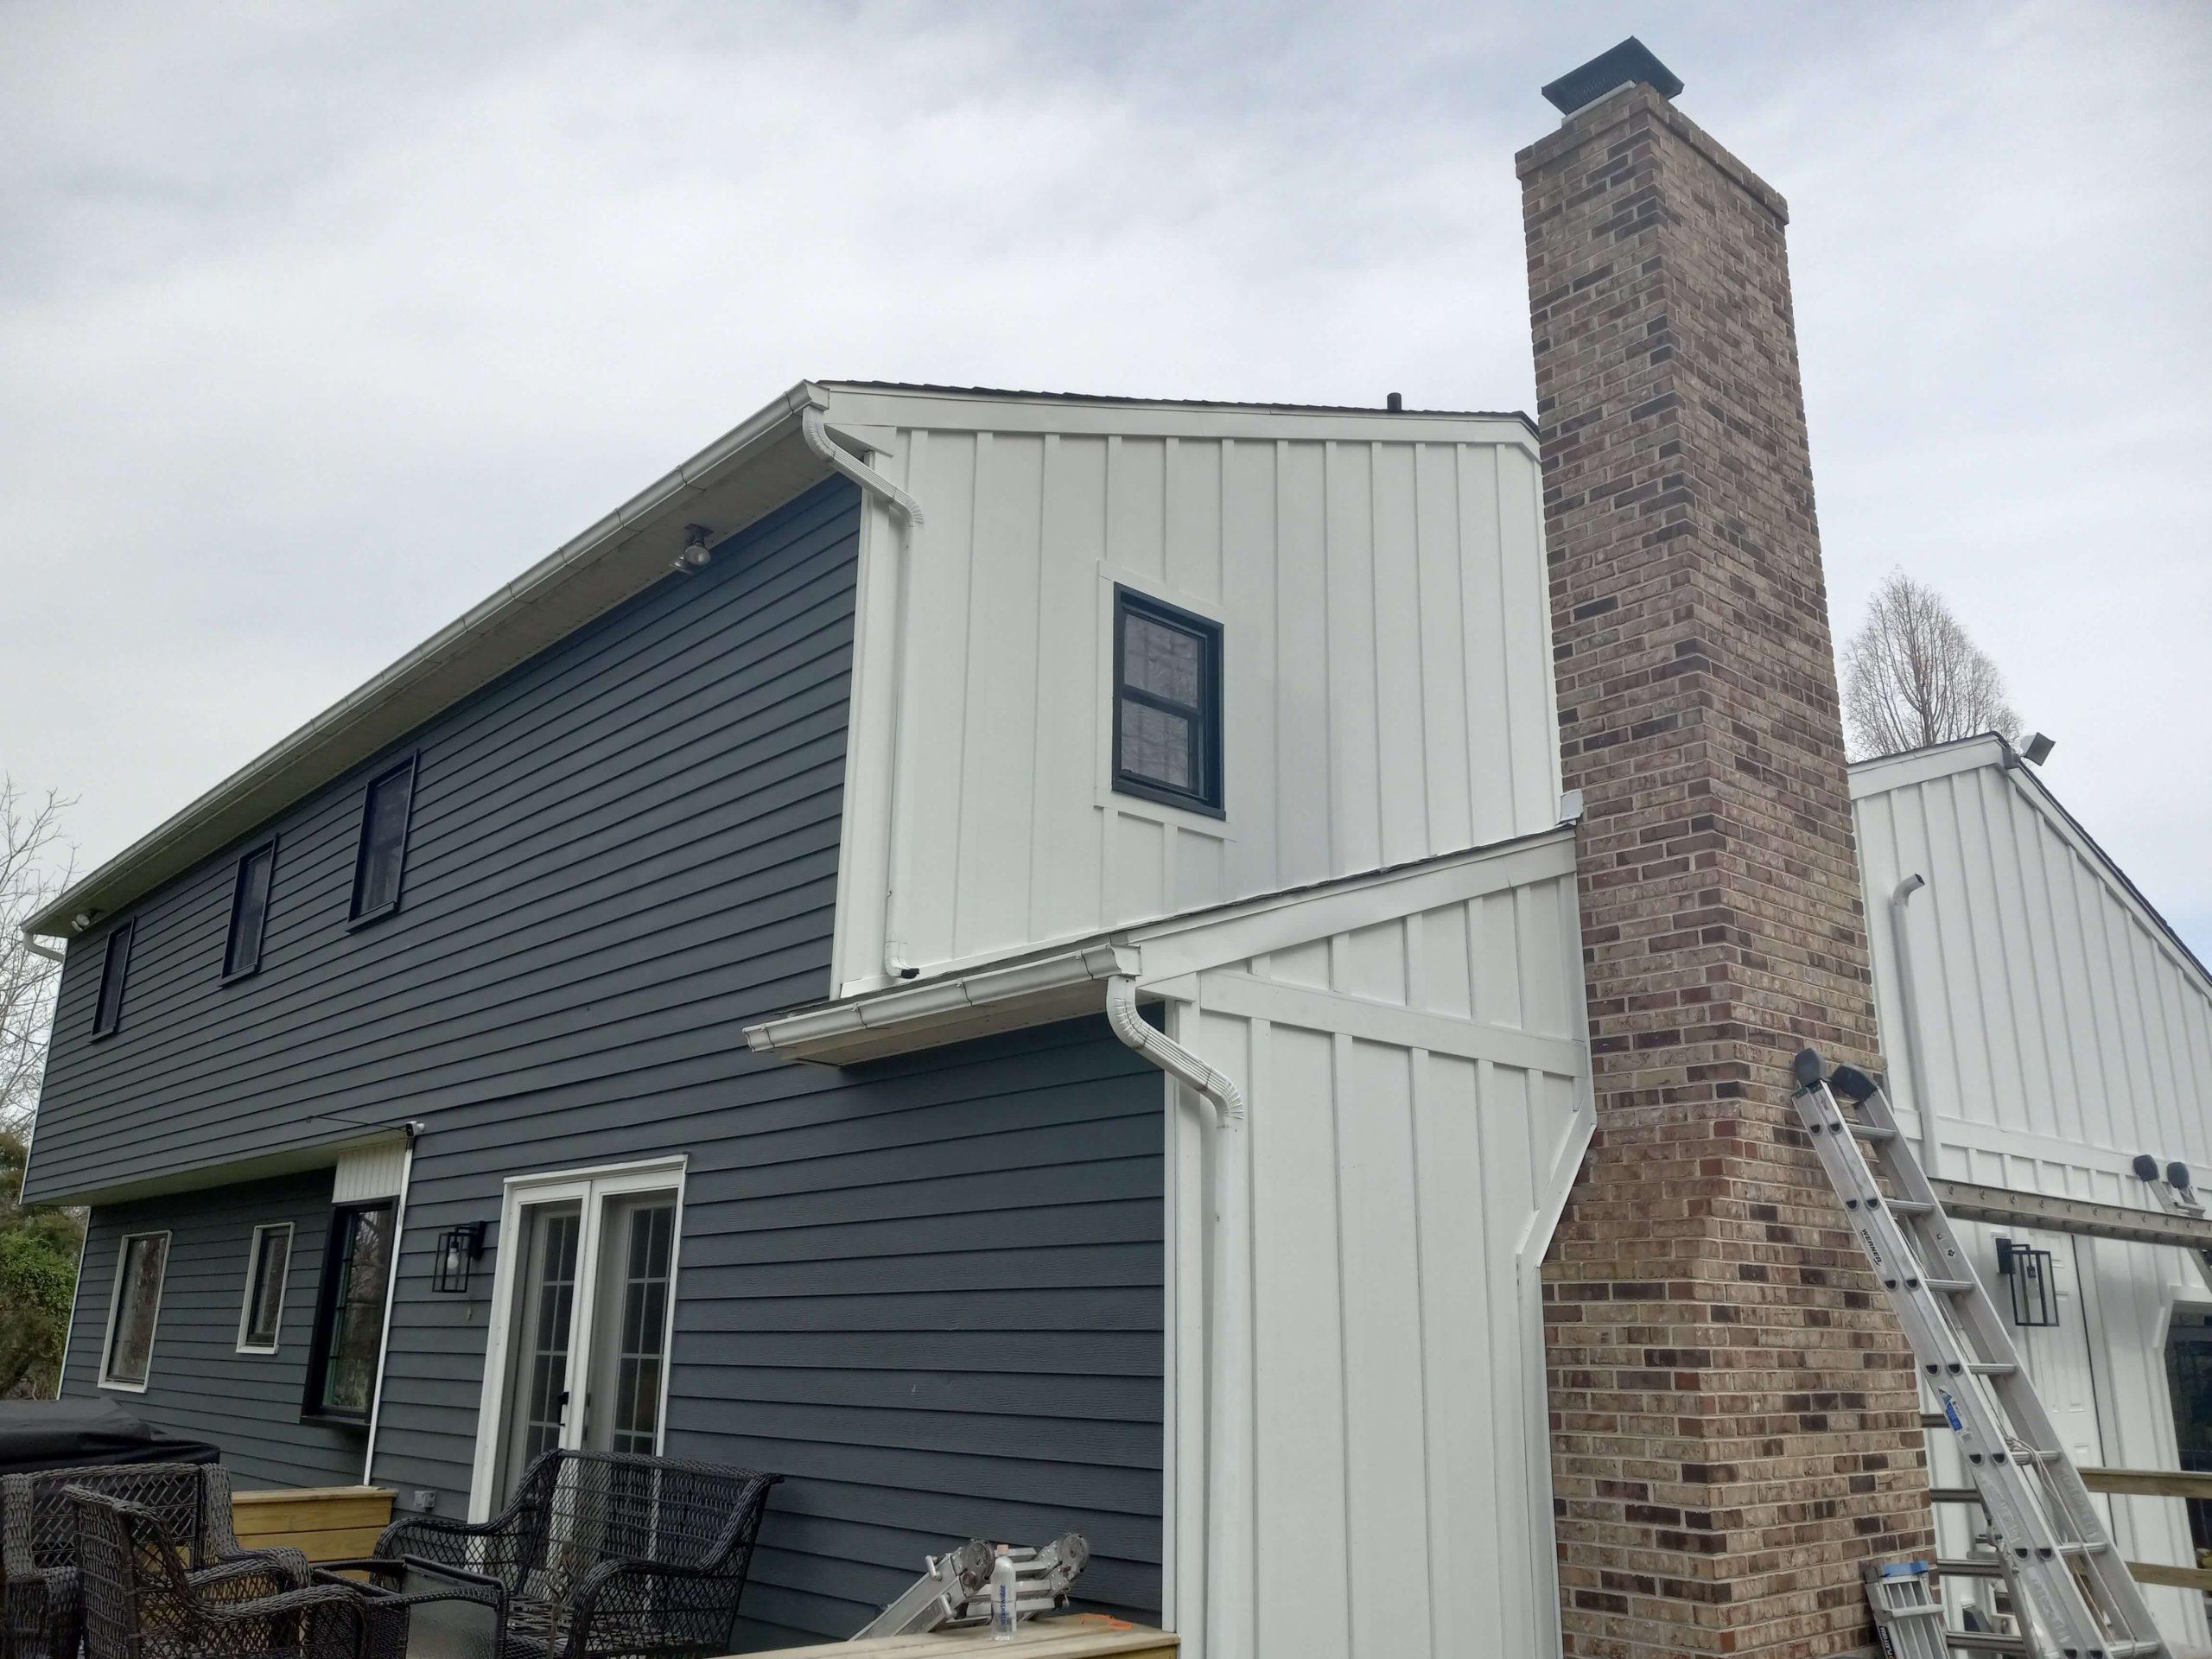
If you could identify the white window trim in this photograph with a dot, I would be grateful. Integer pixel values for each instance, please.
(591, 1184)
(115, 1306)
(253, 1265)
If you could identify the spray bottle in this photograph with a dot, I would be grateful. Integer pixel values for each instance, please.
(1003, 1593)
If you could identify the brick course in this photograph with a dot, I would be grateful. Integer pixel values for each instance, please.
(1734, 1422)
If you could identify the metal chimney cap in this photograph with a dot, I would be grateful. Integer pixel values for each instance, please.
(1628, 64)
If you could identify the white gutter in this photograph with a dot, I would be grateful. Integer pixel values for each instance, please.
(910, 521)
(1229, 1390)
(1910, 1007)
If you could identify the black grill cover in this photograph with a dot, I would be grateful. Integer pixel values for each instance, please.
(36, 1434)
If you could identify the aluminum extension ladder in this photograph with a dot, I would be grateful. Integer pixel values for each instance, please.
(2057, 1553)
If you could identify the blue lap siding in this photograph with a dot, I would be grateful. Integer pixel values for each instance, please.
(929, 1291)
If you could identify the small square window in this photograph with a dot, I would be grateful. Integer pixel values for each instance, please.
(115, 967)
(267, 1260)
(249, 912)
(383, 854)
(349, 1312)
(1167, 704)
(127, 1357)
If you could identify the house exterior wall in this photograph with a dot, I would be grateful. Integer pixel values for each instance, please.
(198, 1384)
(1379, 579)
(2061, 1032)
(1418, 1105)
(607, 848)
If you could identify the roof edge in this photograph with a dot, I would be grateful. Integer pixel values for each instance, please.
(142, 866)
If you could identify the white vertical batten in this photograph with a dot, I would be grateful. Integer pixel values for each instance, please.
(1229, 1545)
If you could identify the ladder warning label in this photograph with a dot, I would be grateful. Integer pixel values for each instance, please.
(1951, 1411)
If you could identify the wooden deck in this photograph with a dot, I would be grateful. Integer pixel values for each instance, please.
(1084, 1636)
(329, 1522)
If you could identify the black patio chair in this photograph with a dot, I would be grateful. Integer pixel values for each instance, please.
(142, 1601)
(41, 1606)
(600, 1554)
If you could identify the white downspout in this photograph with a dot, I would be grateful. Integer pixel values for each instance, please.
(1910, 1007)
(875, 484)
(1228, 1391)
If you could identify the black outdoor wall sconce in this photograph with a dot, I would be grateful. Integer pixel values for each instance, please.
(458, 1247)
(2033, 1279)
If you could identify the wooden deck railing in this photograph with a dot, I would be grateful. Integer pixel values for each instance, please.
(329, 1522)
(2156, 1483)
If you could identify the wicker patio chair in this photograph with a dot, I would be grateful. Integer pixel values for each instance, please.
(602, 1554)
(141, 1602)
(38, 1580)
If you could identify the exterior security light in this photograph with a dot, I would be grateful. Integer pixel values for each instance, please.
(696, 555)
(2038, 747)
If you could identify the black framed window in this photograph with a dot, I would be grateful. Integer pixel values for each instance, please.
(383, 854)
(349, 1310)
(248, 910)
(115, 968)
(1167, 703)
(127, 1354)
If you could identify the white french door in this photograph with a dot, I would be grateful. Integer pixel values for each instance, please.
(584, 1303)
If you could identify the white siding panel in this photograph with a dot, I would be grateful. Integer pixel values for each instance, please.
(1387, 691)
(2062, 1032)
(1402, 1198)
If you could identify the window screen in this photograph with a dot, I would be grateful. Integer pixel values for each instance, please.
(137, 1306)
(1167, 703)
(263, 1315)
(384, 841)
(349, 1310)
(248, 910)
(115, 966)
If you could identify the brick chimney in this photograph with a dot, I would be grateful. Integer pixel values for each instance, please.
(1735, 1428)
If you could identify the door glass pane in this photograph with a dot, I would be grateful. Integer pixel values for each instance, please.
(630, 1347)
(545, 1301)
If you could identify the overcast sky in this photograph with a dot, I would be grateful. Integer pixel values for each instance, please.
(318, 323)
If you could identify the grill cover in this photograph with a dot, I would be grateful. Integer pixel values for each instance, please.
(37, 1435)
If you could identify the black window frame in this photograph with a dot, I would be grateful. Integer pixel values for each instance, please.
(1210, 798)
(233, 972)
(355, 915)
(115, 965)
(249, 1341)
(336, 1265)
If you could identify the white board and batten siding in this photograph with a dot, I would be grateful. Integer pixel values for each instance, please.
(2063, 1030)
(1419, 1102)
(1380, 583)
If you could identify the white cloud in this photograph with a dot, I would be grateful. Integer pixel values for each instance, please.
(319, 324)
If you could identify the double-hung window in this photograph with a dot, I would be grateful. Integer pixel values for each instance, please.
(127, 1355)
(383, 855)
(115, 967)
(1168, 703)
(267, 1260)
(248, 910)
(349, 1310)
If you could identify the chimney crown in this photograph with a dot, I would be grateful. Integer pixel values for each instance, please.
(1629, 63)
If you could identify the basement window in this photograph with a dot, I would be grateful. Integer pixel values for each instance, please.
(383, 854)
(349, 1312)
(266, 1263)
(115, 967)
(249, 912)
(1166, 704)
(127, 1355)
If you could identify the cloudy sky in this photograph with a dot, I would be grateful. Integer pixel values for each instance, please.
(317, 323)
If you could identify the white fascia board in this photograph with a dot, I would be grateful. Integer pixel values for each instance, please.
(1889, 771)
(613, 560)
(1162, 956)
(948, 410)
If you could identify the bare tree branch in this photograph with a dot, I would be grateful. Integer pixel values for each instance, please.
(35, 864)
(1912, 677)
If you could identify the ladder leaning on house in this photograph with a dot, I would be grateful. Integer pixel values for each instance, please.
(2055, 1552)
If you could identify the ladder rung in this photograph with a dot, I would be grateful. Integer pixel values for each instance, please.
(1954, 1495)
(1965, 1569)
(1909, 1206)
(1950, 1286)
(2088, 1547)
(1985, 1641)
(1991, 1367)
(1870, 1132)
(2134, 1650)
